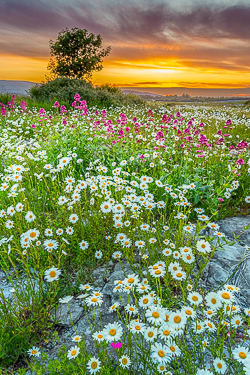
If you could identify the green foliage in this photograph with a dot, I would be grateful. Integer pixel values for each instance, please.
(64, 89)
(76, 53)
(25, 322)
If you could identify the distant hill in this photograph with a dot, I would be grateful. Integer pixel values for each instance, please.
(15, 87)
(140, 93)
(193, 92)
(21, 88)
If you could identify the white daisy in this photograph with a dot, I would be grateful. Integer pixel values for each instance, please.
(34, 352)
(69, 230)
(98, 254)
(125, 361)
(48, 232)
(220, 366)
(213, 300)
(150, 333)
(203, 246)
(59, 231)
(73, 352)
(241, 354)
(160, 354)
(226, 296)
(66, 299)
(155, 316)
(73, 218)
(137, 327)
(98, 336)
(9, 224)
(112, 332)
(52, 274)
(145, 301)
(83, 245)
(50, 245)
(195, 298)
(29, 217)
(177, 320)
(77, 338)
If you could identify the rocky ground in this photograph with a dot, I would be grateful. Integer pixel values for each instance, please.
(230, 264)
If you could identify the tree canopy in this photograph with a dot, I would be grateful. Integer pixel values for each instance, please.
(76, 54)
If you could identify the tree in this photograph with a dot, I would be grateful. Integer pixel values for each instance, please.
(76, 54)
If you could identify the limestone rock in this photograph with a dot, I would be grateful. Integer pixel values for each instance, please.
(62, 313)
(234, 226)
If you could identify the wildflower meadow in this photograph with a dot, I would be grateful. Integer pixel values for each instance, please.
(140, 187)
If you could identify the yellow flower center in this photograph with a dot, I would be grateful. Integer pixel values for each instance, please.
(177, 319)
(225, 295)
(94, 300)
(172, 348)
(155, 314)
(124, 361)
(112, 332)
(145, 301)
(94, 365)
(210, 325)
(100, 336)
(166, 332)
(34, 351)
(158, 272)
(179, 274)
(195, 298)
(73, 352)
(188, 312)
(161, 353)
(219, 365)
(52, 273)
(242, 355)
(213, 300)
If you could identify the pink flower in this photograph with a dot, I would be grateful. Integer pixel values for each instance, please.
(116, 346)
(221, 200)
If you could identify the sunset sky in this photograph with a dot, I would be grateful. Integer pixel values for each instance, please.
(185, 43)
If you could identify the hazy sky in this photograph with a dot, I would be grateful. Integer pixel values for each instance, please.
(154, 43)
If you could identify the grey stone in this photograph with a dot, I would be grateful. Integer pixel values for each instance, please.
(229, 265)
(63, 313)
(234, 226)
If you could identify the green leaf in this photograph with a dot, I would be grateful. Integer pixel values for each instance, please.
(196, 198)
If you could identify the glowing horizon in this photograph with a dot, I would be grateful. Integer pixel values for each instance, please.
(154, 44)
